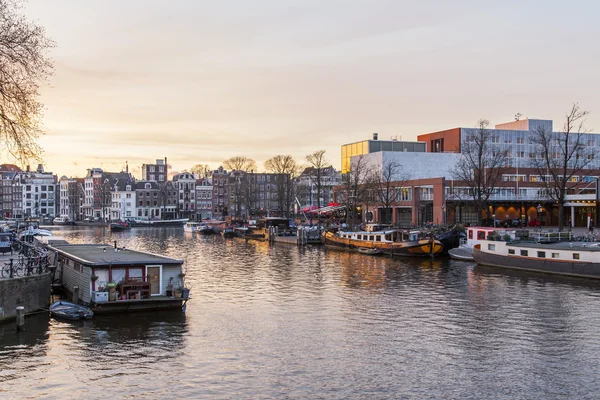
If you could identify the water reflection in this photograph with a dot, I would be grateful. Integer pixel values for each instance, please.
(277, 321)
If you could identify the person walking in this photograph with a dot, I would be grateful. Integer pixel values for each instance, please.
(591, 227)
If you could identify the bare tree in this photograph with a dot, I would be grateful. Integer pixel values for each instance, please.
(560, 156)
(385, 181)
(240, 163)
(480, 165)
(354, 189)
(319, 164)
(24, 65)
(286, 169)
(239, 185)
(202, 170)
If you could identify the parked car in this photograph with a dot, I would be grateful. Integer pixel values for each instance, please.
(5, 243)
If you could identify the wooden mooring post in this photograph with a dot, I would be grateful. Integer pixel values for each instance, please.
(20, 317)
(75, 295)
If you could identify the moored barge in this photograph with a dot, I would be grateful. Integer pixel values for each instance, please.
(580, 259)
(392, 241)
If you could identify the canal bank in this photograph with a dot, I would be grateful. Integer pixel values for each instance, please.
(30, 292)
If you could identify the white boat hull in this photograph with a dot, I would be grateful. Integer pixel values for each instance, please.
(462, 253)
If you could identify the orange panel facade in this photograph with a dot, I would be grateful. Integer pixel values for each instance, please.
(447, 141)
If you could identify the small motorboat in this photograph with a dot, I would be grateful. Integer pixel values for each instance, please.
(462, 253)
(369, 252)
(65, 310)
(228, 232)
(205, 230)
(119, 226)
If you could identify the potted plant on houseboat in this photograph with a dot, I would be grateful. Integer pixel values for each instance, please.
(178, 292)
(94, 278)
(112, 291)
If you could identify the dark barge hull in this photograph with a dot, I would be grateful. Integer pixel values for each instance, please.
(545, 266)
(152, 304)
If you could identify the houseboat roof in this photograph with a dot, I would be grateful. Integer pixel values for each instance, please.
(105, 255)
(583, 246)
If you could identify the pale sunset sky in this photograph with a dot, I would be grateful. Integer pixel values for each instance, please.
(200, 81)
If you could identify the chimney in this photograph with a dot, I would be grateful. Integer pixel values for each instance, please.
(126, 167)
(375, 135)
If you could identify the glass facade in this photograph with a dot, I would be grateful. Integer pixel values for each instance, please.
(374, 146)
(522, 151)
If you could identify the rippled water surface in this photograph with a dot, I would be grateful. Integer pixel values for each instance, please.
(282, 322)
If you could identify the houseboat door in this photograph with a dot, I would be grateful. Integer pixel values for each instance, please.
(154, 273)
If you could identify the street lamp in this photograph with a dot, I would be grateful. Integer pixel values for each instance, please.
(539, 211)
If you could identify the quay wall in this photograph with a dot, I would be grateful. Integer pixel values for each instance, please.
(31, 292)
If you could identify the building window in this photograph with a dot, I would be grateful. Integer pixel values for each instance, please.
(491, 247)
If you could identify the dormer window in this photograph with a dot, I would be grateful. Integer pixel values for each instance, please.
(148, 186)
(128, 188)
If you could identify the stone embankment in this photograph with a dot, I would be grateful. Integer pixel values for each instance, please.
(31, 292)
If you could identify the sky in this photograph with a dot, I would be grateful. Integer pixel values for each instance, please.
(199, 82)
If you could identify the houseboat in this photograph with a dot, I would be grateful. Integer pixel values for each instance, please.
(111, 279)
(391, 241)
(475, 235)
(565, 258)
(138, 222)
(215, 225)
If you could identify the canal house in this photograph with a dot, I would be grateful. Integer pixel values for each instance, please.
(109, 278)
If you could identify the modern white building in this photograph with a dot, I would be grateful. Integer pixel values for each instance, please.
(412, 165)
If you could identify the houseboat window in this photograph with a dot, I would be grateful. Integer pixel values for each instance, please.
(388, 237)
(555, 255)
(524, 252)
(371, 238)
(378, 238)
(492, 247)
(511, 251)
(118, 274)
(541, 254)
(480, 235)
(470, 234)
(575, 256)
(135, 273)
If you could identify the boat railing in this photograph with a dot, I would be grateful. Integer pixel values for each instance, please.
(548, 236)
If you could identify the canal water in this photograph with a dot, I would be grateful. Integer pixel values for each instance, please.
(275, 321)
